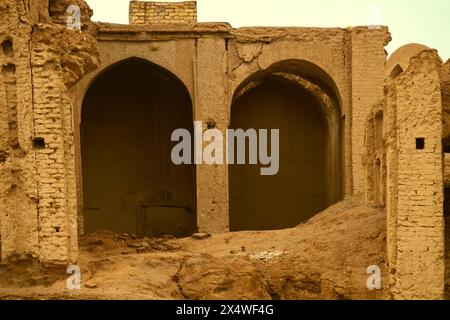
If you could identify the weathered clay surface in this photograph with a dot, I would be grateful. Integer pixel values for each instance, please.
(41, 60)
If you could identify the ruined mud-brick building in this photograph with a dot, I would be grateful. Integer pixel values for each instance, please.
(86, 118)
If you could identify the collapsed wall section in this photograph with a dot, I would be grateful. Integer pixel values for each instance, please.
(367, 73)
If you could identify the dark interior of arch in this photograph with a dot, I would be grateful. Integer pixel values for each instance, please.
(305, 70)
(129, 181)
(299, 190)
(395, 72)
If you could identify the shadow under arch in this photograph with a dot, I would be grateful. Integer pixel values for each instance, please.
(129, 183)
(302, 101)
(136, 59)
(302, 68)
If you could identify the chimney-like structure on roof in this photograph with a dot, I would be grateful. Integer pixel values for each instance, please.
(150, 12)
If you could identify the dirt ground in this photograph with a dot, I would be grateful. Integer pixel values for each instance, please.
(324, 258)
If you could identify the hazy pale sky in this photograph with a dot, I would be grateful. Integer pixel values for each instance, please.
(420, 21)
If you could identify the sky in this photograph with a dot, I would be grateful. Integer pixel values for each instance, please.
(419, 21)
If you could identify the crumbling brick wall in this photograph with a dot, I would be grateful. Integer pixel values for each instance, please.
(414, 185)
(143, 12)
(18, 192)
(41, 61)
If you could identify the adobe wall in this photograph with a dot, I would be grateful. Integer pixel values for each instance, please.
(420, 198)
(37, 179)
(18, 190)
(399, 60)
(411, 145)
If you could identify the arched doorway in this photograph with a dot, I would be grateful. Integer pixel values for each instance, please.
(129, 181)
(310, 154)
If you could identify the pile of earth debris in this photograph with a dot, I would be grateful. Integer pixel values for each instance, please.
(326, 257)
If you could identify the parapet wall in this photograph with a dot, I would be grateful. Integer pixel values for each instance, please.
(143, 12)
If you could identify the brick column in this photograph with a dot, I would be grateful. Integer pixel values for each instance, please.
(368, 60)
(54, 158)
(415, 236)
(212, 103)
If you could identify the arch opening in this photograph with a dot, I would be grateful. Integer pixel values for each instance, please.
(129, 182)
(307, 113)
(396, 72)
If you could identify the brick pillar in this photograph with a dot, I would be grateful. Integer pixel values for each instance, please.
(415, 235)
(54, 157)
(212, 103)
(368, 60)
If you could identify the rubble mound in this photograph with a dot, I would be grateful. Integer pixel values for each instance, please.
(326, 257)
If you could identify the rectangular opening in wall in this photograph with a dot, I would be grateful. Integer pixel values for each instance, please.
(420, 143)
(39, 143)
